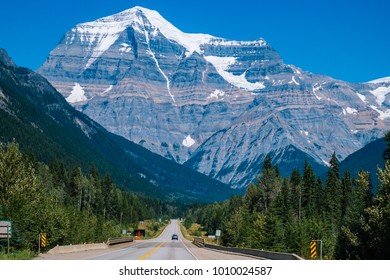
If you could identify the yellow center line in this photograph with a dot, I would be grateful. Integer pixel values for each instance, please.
(152, 251)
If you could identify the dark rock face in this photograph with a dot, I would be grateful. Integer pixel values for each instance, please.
(5, 60)
(217, 105)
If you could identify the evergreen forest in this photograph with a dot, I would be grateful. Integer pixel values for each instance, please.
(70, 206)
(285, 214)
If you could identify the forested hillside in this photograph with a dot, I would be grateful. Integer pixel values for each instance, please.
(40, 120)
(285, 214)
(70, 206)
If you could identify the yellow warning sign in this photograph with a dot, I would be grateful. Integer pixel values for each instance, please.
(313, 249)
(43, 240)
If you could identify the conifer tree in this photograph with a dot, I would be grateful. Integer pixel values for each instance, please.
(379, 216)
(386, 153)
(309, 190)
(346, 190)
(332, 193)
(353, 239)
(296, 192)
(268, 184)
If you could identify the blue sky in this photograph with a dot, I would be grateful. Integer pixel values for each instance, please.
(348, 40)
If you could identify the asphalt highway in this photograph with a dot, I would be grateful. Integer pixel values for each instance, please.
(160, 248)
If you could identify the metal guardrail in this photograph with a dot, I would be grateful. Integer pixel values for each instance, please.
(256, 253)
(249, 252)
(119, 240)
(198, 242)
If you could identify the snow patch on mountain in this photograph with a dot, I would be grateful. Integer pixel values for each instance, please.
(99, 36)
(191, 42)
(222, 64)
(77, 94)
(362, 97)
(223, 42)
(216, 94)
(382, 115)
(317, 88)
(381, 80)
(380, 94)
(149, 51)
(108, 89)
(125, 48)
(349, 110)
(188, 141)
(293, 81)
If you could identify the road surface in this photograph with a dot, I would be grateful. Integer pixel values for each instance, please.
(160, 248)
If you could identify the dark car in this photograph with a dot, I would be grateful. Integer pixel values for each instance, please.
(175, 237)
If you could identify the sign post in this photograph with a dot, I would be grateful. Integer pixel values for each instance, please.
(6, 231)
(42, 242)
(218, 234)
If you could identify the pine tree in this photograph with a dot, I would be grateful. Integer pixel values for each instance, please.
(286, 206)
(19, 195)
(379, 216)
(346, 190)
(268, 184)
(256, 236)
(353, 240)
(332, 193)
(309, 190)
(319, 195)
(233, 228)
(386, 153)
(296, 192)
(75, 187)
(252, 198)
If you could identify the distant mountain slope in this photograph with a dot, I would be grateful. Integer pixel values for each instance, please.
(209, 102)
(368, 158)
(37, 117)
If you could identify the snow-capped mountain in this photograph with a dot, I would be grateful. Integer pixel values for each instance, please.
(214, 104)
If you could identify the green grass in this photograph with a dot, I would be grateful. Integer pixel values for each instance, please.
(18, 255)
(153, 228)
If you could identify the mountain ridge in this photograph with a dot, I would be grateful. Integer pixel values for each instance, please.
(37, 117)
(161, 87)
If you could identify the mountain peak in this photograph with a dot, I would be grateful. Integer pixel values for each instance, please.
(130, 15)
(100, 34)
(139, 17)
(5, 59)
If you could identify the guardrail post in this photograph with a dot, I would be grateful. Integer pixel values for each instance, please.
(118, 240)
(199, 242)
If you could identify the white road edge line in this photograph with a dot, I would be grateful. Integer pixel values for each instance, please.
(188, 249)
(136, 245)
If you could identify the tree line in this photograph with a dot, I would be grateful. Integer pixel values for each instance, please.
(69, 205)
(285, 214)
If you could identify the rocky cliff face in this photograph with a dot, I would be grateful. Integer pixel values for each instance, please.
(217, 105)
(37, 117)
